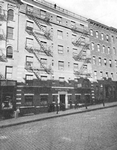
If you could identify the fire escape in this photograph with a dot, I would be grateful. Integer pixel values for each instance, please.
(46, 50)
(2, 15)
(82, 56)
(2, 36)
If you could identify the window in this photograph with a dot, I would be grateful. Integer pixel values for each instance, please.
(73, 37)
(106, 75)
(103, 49)
(113, 38)
(102, 36)
(98, 47)
(44, 78)
(60, 49)
(44, 99)
(101, 74)
(75, 67)
(44, 62)
(29, 43)
(10, 32)
(29, 25)
(52, 62)
(43, 14)
(10, 14)
(8, 72)
(29, 100)
(68, 49)
(107, 38)
(91, 32)
(59, 20)
(100, 61)
(29, 61)
(60, 34)
(74, 51)
(114, 50)
(72, 24)
(84, 67)
(44, 44)
(61, 65)
(112, 76)
(105, 62)
(95, 74)
(29, 9)
(29, 78)
(94, 60)
(44, 28)
(97, 34)
(68, 64)
(108, 50)
(9, 52)
(115, 63)
(110, 63)
(92, 46)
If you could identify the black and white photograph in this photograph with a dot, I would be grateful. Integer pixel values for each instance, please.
(58, 74)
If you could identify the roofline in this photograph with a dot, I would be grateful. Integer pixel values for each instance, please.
(91, 20)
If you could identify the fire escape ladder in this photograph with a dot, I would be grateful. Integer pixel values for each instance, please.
(47, 52)
(46, 33)
(29, 68)
(48, 70)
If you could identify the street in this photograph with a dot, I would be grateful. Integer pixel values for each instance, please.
(95, 130)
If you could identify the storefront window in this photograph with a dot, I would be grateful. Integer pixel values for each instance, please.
(44, 99)
(29, 100)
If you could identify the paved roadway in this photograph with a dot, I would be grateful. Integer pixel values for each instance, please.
(96, 130)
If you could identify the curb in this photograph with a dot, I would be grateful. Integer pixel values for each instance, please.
(56, 116)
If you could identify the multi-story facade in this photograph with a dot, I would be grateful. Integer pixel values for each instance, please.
(8, 49)
(103, 52)
(46, 51)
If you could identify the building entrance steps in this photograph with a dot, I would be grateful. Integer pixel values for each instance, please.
(50, 115)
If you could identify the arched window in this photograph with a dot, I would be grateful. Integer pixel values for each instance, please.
(9, 52)
(10, 14)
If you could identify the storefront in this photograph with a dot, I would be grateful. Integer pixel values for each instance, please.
(7, 96)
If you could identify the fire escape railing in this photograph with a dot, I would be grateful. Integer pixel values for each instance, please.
(47, 51)
(47, 70)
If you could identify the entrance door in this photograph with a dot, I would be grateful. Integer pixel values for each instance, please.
(62, 101)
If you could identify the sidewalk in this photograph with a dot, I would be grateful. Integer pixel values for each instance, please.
(44, 116)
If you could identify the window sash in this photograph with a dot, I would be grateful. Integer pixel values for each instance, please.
(29, 77)
(29, 42)
(60, 65)
(10, 33)
(10, 15)
(9, 52)
(59, 19)
(9, 72)
(60, 34)
(60, 49)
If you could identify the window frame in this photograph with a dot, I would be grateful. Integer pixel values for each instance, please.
(9, 52)
(10, 17)
(8, 73)
(10, 33)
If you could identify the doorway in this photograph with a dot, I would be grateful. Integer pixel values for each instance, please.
(62, 101)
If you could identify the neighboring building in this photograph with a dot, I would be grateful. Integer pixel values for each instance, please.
(103, 52)
(8, 49)
(46, 50)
